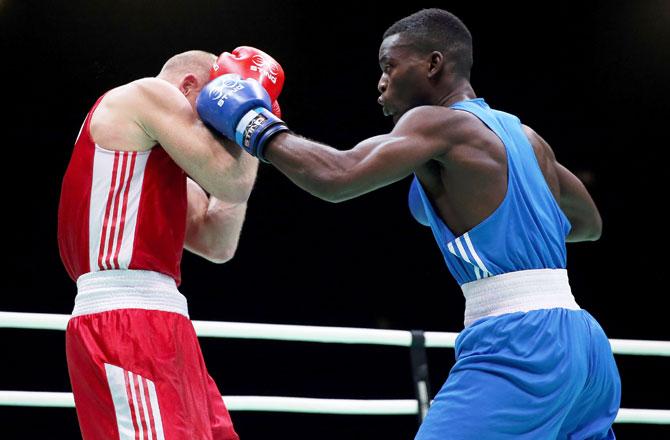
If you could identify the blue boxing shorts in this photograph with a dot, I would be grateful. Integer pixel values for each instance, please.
(544, 374)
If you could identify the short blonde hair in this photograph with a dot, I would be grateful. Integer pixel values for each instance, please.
(197, 62)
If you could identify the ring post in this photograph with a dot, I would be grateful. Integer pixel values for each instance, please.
(420, 372)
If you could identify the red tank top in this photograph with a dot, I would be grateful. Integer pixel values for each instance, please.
(121, 210)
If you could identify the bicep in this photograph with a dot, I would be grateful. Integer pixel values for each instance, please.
(337, 175)
(579, 207)
(574, 197)
(382, 160)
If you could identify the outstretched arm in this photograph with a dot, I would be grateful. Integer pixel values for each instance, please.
(336, 175)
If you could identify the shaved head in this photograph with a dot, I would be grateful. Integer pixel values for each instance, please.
(436, 29)
(189, 72)
(196, 62)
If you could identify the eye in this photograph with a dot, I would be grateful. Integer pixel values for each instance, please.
(387, 68)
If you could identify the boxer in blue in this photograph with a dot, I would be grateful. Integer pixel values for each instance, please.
(530, 363)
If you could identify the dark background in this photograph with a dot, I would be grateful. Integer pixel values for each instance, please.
(590, 77)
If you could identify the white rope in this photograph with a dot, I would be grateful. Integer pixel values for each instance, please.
(42, 321)
(305, 333)
(306, 405)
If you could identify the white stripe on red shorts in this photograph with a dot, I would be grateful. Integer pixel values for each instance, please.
(138, 415)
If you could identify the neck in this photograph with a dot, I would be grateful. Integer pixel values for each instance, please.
(458, 92)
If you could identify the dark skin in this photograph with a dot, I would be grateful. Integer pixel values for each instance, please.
(460, 162)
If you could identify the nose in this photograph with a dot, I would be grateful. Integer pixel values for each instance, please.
(382, 84)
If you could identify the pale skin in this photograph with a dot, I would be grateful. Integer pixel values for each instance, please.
(139, 115)
(459, 161)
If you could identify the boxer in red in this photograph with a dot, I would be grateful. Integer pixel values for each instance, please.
(147, 179)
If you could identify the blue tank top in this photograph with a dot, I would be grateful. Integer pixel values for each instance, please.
(527, 230)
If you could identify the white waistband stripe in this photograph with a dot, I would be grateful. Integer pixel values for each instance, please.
(127, 289)
(520, 291)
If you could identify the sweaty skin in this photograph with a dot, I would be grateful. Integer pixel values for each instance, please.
(459, 161)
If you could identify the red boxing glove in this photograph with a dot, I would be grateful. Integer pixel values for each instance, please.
(249, 62)
(276, 110)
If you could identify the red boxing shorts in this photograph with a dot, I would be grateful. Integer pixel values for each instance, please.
(135, 363)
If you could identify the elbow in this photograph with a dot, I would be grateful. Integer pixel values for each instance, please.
(583, 232)
(221, 256)
(331, 196)
(597, 228)
(217, 253)
(588, 236)
(596, 233)
(246, 188)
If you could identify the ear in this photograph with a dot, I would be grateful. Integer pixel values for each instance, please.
(189, 83)
(436, 64)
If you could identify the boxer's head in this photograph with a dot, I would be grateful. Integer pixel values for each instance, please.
(418, 55)
(189, 72)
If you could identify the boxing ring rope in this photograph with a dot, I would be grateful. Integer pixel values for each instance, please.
(301, 333)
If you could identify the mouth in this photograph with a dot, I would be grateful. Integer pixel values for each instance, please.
(387, 111)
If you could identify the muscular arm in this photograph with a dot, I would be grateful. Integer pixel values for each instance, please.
(218, 165)
(335, 175)
(577, 204)
(212, 226)
(573, 197)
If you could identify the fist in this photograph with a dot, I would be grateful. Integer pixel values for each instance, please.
(240, 110)
(249, 62)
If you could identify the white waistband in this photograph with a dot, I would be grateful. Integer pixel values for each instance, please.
(520, 291)
(127, 289)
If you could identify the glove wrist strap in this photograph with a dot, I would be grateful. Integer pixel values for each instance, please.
(255, 129)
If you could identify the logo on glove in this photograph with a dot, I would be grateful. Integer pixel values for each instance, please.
(252, 127)
(228, 84)
(271, 70)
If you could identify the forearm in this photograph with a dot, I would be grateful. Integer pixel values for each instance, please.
(217, 164)
(336, 175)
(213, 226)
(579, 207)
(312, 166)
(218, 234)
(228, 178)
(325, 172)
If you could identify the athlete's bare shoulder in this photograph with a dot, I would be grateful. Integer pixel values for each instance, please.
(462, 134)
(456, 125)
(432, 122)
(117, 124)
(540, 146)
(545, 158)
(145, 94)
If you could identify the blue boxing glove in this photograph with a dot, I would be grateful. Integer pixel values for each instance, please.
(241, 110)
